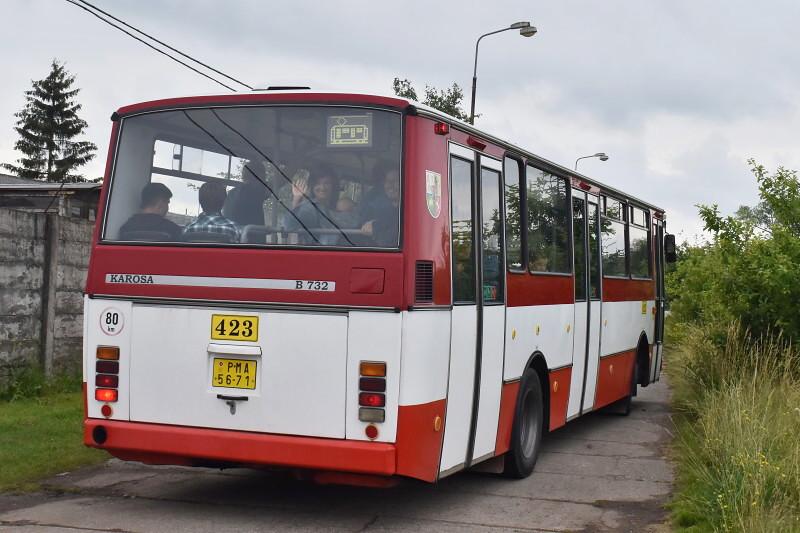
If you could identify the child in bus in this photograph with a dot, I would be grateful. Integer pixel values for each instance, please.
(212, 197)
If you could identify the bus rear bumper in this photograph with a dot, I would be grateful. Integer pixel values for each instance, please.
(161, 444)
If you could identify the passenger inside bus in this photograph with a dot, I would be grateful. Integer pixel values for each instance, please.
(314, 204)
(245, 203)
(383, 212)
(150, 222)
(210, 225)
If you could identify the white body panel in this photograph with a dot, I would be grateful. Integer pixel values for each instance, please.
(623, 322)
(578, 359)
(461, 384)
(491, 381)
(426, 356)
(595, 319)
(300, 379)
(544, 328)
(373, 336)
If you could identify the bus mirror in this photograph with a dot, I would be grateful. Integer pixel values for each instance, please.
(670, 252)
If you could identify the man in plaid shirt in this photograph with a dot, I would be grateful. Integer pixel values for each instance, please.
(212, 198)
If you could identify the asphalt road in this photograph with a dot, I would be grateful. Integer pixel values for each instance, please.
(599, 473)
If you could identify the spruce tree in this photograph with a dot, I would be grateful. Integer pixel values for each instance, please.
(47, 126)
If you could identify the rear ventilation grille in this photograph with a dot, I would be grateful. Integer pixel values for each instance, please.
(423, 289)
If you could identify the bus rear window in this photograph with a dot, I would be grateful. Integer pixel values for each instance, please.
(279, 175)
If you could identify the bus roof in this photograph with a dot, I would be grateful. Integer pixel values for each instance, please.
(343, 98)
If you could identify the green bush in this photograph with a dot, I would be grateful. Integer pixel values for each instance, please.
(30, 382)
(738, 446)
(750, 270)
(735, 325)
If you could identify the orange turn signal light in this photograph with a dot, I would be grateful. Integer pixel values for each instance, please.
(105, 395)
(108, 352)
(373, 369)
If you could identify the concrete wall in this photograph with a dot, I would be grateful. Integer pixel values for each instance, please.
(43, 261)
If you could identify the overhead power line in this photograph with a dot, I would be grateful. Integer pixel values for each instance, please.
(162, 43)
(129, 34)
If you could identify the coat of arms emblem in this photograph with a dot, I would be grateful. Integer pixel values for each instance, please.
(433, 192)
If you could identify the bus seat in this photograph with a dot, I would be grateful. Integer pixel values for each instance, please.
(207, 236)
(146, 235)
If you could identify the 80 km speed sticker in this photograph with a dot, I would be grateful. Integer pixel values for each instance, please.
(112, 321)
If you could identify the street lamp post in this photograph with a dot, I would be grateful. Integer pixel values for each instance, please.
(525, 29)
(601, 155)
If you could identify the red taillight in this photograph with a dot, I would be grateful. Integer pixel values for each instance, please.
(106, 411)
(371, 432)
(371, 399)
(441, 128)
(372, 384)
(106, 380)
(105, 395)
(107, 367)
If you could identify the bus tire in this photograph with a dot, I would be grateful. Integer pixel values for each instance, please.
(526, 434)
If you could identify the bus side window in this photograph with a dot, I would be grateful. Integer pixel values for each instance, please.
(513, 201)
(612, 223)
(549, 220)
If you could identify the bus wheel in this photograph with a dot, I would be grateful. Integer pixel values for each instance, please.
(526, 435)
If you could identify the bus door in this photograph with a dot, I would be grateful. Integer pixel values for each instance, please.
(478, 316)
(586, 340)
(595, 261)
(658, 341)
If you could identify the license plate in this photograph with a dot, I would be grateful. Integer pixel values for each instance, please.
(234, 328)
(234, 373)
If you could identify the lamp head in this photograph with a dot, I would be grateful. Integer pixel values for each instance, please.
(529, 31)
(602, 156)
(519, 25)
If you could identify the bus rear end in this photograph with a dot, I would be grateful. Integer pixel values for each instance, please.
(245, 286)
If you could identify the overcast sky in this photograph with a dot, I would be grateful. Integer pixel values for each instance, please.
(679, 93)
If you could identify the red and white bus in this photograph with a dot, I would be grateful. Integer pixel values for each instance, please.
(401, 294)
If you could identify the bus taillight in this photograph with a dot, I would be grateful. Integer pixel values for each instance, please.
(106, 380)
(105, 395)
(372, 384)
(371, 399)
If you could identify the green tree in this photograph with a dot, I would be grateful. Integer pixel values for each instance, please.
(447, 101)
(47, 127)
(749, 270)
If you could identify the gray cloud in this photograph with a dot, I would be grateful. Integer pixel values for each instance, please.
(680, 93)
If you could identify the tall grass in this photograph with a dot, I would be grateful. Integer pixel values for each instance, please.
(738, 431)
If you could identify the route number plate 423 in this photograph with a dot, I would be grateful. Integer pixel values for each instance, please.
(234, 328)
